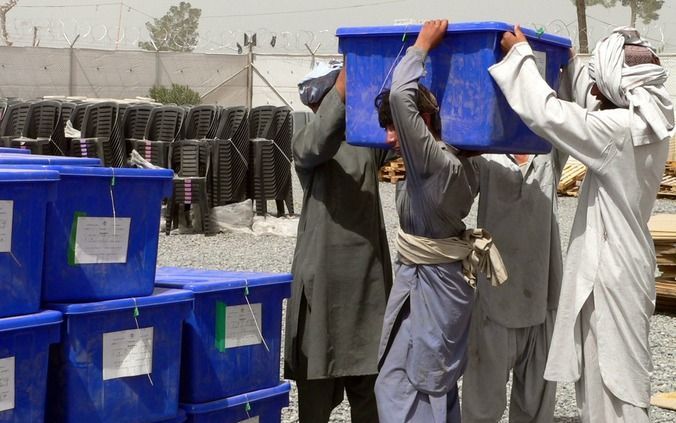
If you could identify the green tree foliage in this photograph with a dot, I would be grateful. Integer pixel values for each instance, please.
(581, 6)
(181, 95)
(647, 10)
(175, 31)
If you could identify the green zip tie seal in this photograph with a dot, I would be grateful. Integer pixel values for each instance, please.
(73, 237)
(247, 407)
(112, 181)
(220, 326)
(136, 312)
(540, 32)
(246, 291)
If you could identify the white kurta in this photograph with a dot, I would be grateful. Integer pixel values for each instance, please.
(611, 252)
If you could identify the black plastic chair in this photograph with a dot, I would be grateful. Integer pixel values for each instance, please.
(136, 119)
(260, 119)
(13, 122)
(201, 122)
(58, 136)
(163, 127)
(77, 115)
(165, 124)
(270, 159)
(230, 158)
(97, 134)
(38, 128)
(155, 152)
(190, 160)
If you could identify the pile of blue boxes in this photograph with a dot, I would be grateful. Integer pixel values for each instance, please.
(87, 335)
(231, 344)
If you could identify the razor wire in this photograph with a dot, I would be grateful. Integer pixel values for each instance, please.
(61, 33)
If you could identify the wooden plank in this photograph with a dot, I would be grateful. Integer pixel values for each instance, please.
(664, 400)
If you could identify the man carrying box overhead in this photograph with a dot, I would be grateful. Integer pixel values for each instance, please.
(512, 324)
(424, 343)
(600, 338)
(342, 269)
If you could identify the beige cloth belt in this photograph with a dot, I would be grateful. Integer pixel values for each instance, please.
(474, 248)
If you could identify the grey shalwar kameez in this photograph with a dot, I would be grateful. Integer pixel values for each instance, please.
(600, 337)
(512, 324)
(341, 267)
(423, 346)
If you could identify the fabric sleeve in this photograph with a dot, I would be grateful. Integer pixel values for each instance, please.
(423, 154)
(321, 138)
(569, 127)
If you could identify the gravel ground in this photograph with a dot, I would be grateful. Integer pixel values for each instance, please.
(274, 254)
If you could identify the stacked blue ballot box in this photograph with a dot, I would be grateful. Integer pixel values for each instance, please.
(232, 339)
(474, 114)
(261, 406)
(78, 244)
(118, 360)
(24, 352)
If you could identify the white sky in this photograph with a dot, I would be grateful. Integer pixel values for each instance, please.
(295, 22)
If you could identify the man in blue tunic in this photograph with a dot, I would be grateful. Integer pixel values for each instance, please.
(424, 343)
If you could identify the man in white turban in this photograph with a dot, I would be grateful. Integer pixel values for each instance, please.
(600, 338)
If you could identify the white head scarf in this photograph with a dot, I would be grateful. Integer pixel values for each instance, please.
(639, 88)
(314, 86)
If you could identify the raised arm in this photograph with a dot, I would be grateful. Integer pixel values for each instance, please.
(321, 138)
(574, 130)
(422, 154)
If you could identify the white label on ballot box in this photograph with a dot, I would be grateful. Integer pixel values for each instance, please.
(251, 420)
(240, 326)
(541, 62)
(6, 218)
(127, 353)
(101, 240)
(6, 383)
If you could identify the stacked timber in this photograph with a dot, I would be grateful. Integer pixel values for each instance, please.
(393, 171)
(663, 231)
(571, 178)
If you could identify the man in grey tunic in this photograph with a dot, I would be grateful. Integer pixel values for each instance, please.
(512, 324)
(600, 338)
(341, 267)
(424, 341)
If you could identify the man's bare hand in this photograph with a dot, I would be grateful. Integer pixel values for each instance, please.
(340, 82)
(431, 34)
(509, 39)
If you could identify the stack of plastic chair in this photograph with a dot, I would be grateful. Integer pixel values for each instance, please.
(164, 126)
(118, 145)
(58, 136)
(36, 136)
(270, 158)
(133, 129)
(96, 133)
(3, 107)
(300, 119)
(77, 115)
(190, 160)
(282, 134)
(201, 122)
(261, 176)
(13, 122)
(230, 158)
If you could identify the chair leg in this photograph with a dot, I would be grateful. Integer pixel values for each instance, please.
(205, 212)
(289, 202)
(280, 207)
(168, 212)
(186, 215)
